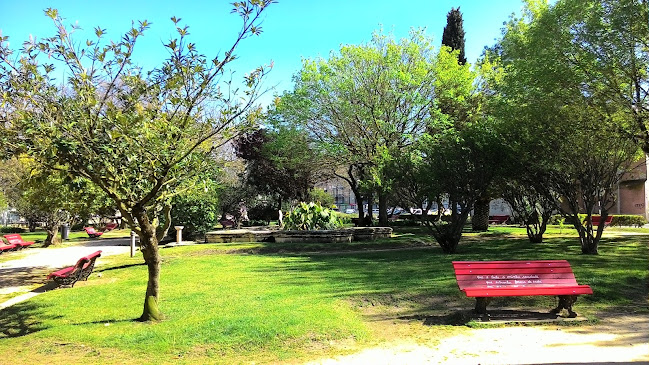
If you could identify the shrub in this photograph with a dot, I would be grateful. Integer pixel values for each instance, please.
(311, 216)
(198, 214)
(618, 220)
(628, 220)
(263, 212)
(8, 229)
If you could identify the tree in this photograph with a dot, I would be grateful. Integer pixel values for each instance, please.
(278, 163)
(608, 45)
(137, 136)
(453, 35)
(363, 106)
(460, 162)
(560, 114)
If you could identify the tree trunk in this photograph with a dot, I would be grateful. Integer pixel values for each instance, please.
(52, 238)
(536, 227)
(480, 220)
(151, 253)
(589, 241)
(383, 210)
(448, 235)
(31, 224)
(370, 215)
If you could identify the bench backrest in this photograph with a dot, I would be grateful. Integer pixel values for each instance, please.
(90, 230)
(513, 274)
(86, 259)
(14, 238)
(596, 219)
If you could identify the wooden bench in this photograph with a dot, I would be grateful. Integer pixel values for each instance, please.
(16, 239)
(486, 279)
(498, 219)
(595, 219)
(80, 271)
(92, 233)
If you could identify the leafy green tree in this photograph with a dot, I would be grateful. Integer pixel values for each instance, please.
(453, 35)
(364, 105)
(561, 115)
(318, 195)
(460, 162)
(137, 136)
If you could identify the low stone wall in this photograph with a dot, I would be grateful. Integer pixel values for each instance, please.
(371, 233)
(338, 235)
(238, 235)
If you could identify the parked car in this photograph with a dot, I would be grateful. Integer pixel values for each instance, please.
(350, 211)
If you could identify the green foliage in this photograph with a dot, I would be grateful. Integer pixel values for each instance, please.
(8, 229)
(628, 220)
(321, 197)
(196, 213)
(364, 105)
(263, 213)
(311, 216)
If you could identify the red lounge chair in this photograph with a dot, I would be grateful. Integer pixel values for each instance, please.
(92, 233)
(81, 271)
(110, 227)
(15, 239)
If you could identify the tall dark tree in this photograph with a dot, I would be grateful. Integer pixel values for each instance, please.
(453, 35)
(272, 168)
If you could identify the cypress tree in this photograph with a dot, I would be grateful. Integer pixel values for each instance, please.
(453, 35)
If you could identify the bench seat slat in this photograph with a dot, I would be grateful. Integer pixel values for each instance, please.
(508, 271)
(518, 283)
(510, 292)
(515, 264)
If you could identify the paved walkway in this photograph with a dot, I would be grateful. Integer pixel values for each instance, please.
(22, 275)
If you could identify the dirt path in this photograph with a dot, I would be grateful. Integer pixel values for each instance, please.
(616, 339)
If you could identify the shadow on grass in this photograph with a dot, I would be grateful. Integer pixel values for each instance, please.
(23, 319)
(618, 275)
(23, 276)
(119, 267)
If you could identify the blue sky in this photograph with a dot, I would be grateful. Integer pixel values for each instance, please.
(292, 29)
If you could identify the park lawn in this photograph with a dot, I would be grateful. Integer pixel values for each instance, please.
(75, 237)
(270, 303)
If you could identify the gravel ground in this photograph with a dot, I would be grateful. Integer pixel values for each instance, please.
(617, 339)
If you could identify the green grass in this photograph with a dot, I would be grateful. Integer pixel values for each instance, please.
(256, 302)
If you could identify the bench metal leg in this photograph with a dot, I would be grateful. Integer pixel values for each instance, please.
(566, 302)
(481, 305)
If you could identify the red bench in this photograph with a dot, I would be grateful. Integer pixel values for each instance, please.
(10, 247)
(15, 239)
(486, 279)
(92, 233)
(80, 271)
(498, 219)
(110, 227)
(596, 219)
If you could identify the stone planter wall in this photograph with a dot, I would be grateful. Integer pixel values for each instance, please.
(338, 235)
